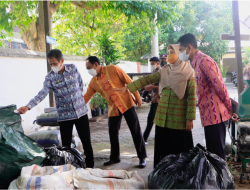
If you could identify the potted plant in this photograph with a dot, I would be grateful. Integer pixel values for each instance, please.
(223, 71)
(95, 104)
(103, 105)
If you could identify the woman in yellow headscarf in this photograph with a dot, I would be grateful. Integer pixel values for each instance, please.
(177, 106)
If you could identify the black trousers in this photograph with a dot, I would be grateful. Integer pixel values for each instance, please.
(82, 127)
(150, 123)
(215, 136)
(135, 129)
(171, 141)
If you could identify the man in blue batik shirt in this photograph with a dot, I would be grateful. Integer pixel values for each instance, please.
(66, 83)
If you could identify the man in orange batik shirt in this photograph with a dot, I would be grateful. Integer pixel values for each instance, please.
(105, 78)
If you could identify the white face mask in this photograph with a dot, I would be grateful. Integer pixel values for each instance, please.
(92, 72)
(183, 56)
(153, 67)
(57, 68)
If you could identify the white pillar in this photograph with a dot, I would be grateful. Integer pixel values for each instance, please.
(154, 43)
(149, 66)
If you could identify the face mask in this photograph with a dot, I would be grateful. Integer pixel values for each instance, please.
(172, 58)
(164, 63)
(57, 68)
(153, 67)
(183, 56)
(92, 72)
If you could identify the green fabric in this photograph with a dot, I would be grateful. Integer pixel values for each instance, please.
(172, 112)
(17, 151)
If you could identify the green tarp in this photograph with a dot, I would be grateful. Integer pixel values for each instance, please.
(16, 149)
(9, 118)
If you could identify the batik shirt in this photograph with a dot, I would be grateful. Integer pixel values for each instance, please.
(68, 92)
(171, 112)
(213, 98)
(112, 76)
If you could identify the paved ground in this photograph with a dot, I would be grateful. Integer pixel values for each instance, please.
(101, 145)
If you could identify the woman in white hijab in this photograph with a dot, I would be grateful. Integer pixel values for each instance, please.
(177, 106)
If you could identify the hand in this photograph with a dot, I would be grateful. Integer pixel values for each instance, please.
(235, 118)
(138, 101)
(148, 88)
(189, 125)
(121, 90)
(23, 110)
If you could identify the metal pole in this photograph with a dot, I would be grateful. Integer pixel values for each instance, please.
(238, 47)
(47, 27)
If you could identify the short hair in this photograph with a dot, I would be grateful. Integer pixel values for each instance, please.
(56, 53)
(188, 39)
(93, 59)
(154, 59)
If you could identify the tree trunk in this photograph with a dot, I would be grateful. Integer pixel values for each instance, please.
(34, 37)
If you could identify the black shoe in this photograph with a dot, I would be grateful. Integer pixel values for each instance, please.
(142, 163)
(110, 162)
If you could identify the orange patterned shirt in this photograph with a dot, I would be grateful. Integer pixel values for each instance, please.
(112, 76)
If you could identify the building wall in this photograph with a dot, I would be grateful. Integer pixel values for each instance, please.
(133, 67)
(232, 63)
(144, 69)
(229, 59)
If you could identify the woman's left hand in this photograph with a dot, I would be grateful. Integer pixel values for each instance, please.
(189, 125)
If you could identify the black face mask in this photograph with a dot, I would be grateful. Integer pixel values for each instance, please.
(163, 63)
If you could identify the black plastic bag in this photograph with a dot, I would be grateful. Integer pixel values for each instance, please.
(57, 156)
(198, 169)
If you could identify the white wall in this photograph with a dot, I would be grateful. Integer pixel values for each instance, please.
(131, 67)
(145, 69)
(128, 66)
(22, 78)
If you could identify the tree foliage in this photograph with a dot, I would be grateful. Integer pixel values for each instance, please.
(246, 56)
(126, 22)
(206, 20)
(83, 19)
(78, 33)
(109, 54)
(29, 18)
(78, 26)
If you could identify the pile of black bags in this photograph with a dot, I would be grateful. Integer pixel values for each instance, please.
(198, 169)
